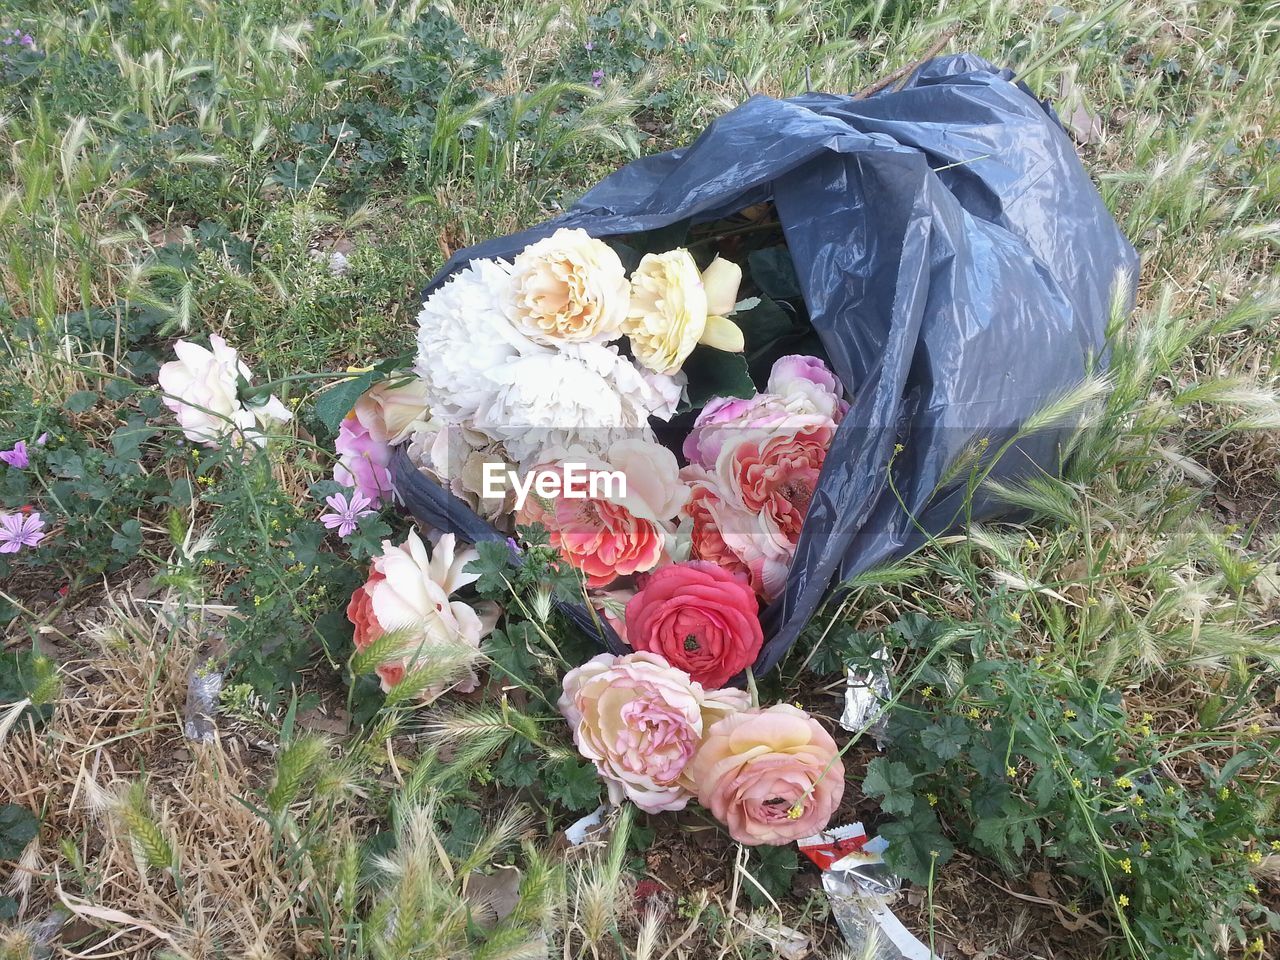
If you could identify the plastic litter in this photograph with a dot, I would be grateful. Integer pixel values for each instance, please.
(861, 888)
(204, 686)
(959, 269)
(865, 694)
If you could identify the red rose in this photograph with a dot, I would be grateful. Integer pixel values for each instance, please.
(699, 617)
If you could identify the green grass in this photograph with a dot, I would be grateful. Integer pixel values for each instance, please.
(184, 167)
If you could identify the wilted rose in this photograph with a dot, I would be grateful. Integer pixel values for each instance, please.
(771, 776)
(640, 721)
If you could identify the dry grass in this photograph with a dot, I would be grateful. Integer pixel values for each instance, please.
(113, 777)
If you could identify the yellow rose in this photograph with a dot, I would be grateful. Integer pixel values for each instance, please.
(674, 308)
(569, 287)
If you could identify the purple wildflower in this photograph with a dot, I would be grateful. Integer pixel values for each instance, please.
(27, 40)
(20, 530)
(597, 77)
(17, 457)
(589, 45)
(42, 439)
(346, 511)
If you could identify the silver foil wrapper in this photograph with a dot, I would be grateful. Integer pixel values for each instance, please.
(204, 686)
(865, 694)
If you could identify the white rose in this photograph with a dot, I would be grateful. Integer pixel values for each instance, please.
(201, 387)
(411, 595)
(463, 333)
(583, 394)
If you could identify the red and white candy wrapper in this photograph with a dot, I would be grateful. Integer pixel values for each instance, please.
(860, 888)
(827, 847)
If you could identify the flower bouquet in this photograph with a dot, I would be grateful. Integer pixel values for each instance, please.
(598, 405)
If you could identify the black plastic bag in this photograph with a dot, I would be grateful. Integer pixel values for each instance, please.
(957, 263)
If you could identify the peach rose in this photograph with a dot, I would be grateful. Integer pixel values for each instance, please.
(640, 721)
(392, 413)
(771, 776)
(701, 618)
(408, 590)
(569, 287)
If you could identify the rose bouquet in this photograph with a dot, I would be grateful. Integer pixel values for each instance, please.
(611, 409)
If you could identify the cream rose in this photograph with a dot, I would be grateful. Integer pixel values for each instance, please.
(640, 721)
(569, 287)
(674, 308)
(396, 411)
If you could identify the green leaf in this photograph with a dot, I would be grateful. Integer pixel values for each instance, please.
(662, 239)
(773, 868)
(573, 783)
(336, 402)
(67, 464)
(80, 401)
(717, 373)
(891, 781)
(128, 540)
(18, 826)
(509, 650)
(516, 767)
(763, 325)
(946, 738)
(495, 567)
(128, 438)
(774, 272)
(915, 845)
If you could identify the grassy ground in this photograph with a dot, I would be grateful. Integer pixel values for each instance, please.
(1086, 728)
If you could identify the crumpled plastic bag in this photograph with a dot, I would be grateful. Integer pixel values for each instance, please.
(958, 266)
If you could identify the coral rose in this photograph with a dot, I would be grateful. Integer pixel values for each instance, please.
(771, 776)
(408, 592)
(614, 530)
(596, 535)
(569, 287)
(701, 618)
(640, 721)
(775, 476)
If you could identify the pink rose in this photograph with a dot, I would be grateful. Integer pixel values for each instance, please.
(810, 378)
(363, 459)
(801, 390)
(640, 721)
(771, 776)
(701, 618)
(726, 533)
